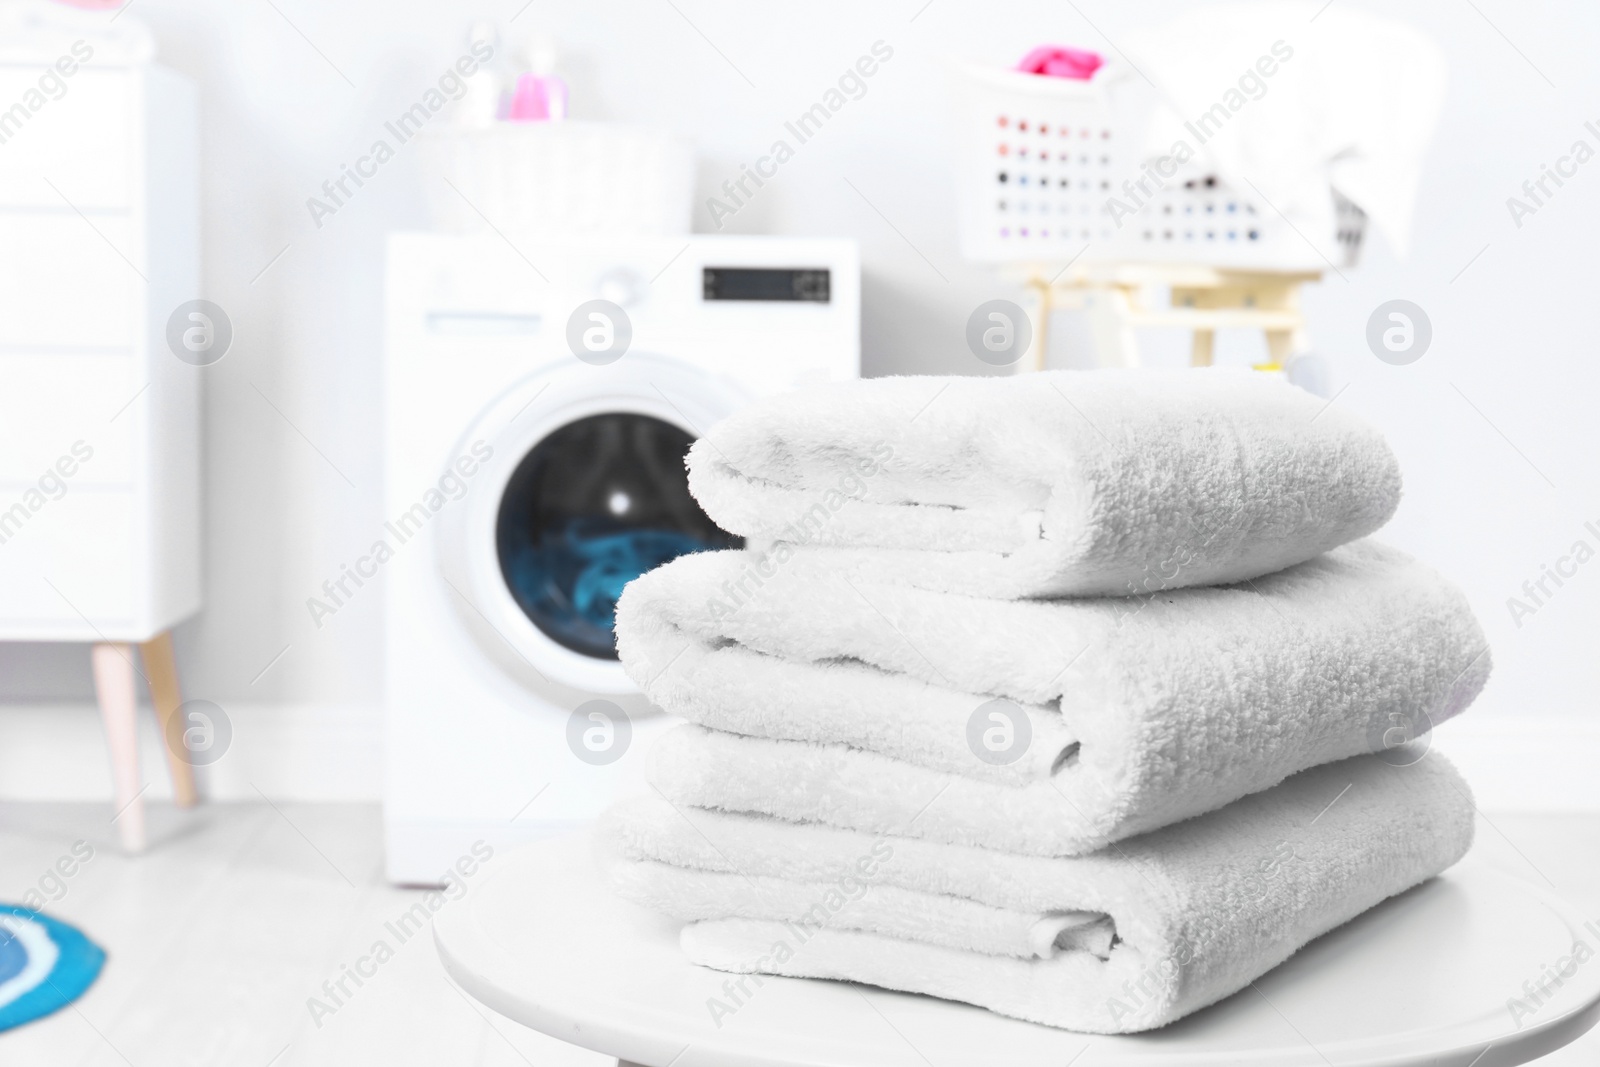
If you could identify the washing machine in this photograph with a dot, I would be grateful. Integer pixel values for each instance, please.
(539, 400)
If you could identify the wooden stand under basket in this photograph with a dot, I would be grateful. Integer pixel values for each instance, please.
(1040, 162)
(1204, 300)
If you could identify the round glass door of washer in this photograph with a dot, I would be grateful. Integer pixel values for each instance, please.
(593, 505)
(582, 488)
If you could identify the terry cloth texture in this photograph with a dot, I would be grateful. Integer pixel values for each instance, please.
(1198, 910)
(1104, 482)
(853, 702)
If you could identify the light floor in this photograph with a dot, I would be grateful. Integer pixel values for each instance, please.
(239, 912)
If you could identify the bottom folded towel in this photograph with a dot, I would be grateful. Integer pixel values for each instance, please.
(941, 919)
(1125, 939)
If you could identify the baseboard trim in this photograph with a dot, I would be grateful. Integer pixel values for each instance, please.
(57, 751)
(419, 852)
(311, 752)
(1527, 763)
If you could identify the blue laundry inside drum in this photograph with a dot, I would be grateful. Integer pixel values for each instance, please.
(570, 580)
(591, 506)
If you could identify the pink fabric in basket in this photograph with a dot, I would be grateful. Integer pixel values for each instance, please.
(1054, 61)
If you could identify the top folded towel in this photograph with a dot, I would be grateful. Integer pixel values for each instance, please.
(1063, 483)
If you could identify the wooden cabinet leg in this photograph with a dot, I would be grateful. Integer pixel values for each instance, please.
(1039, 321)
(1200, 354)
(162, 671)
(1282, 344)
(1111, 322)
(113, 681)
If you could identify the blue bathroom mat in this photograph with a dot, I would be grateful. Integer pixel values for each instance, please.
(44, 965)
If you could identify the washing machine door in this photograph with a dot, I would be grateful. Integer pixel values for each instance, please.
(580, 488)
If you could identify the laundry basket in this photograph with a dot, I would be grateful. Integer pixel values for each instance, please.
(1040, 159)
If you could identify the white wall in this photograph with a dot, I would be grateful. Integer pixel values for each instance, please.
(1514, 332)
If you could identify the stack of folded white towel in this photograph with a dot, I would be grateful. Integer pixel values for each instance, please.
(1073, 695)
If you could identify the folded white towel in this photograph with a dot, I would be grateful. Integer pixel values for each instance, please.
(853, 702)
(1198, 910)
(1067, 482)
(955, 922)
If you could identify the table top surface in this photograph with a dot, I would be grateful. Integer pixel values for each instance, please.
(1427, 977)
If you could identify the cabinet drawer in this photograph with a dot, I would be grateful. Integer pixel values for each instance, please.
(81, 542)
(63, 283)
(50, 401)
(79, 138)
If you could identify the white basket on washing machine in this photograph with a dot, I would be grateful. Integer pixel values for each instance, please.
(1039, 158)
(539, 180)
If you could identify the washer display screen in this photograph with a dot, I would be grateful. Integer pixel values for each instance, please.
(591, 507)
(806, 284)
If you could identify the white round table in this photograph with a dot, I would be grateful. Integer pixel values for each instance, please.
(1423, 979)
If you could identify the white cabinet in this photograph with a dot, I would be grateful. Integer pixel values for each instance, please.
(99, 420)
(94, 165)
